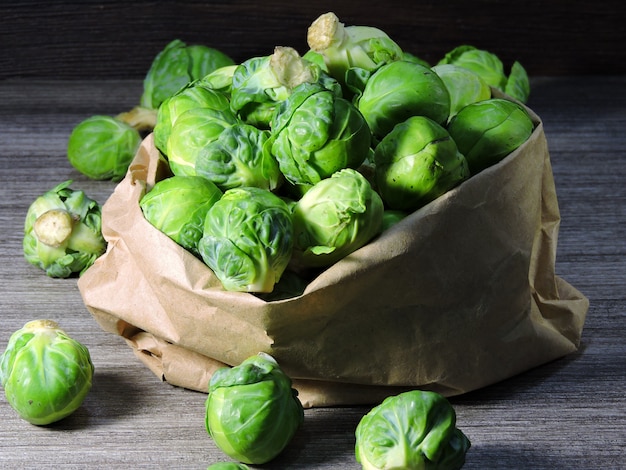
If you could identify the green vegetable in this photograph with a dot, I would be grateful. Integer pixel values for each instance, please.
(177, 65)
(335, 217)
(465, 86)
(220, 79)
(316, 133)
(490, 68)
(487, 131)
(417, 162)
(102, 147)
(248, 239)
(399, 90)
(195, 95)
(345, 47)
(62, 231)
(191, 133)
(259, 84)
(415, 430)
(46, 375)
(239, 157)
(178, 205)
(252, 412)
(228, 466)
(392, 217)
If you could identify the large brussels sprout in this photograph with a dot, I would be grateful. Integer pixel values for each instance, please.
(490, 68)
(46, 375)
(487, 131)
(259, 84)
(248, 239)
(252, 412)
(316, 133)
(178, 205)
(345, 47)
(415, 429)
(417, 162)
(399, 90)
(239, 157)
(464, 86)
(62, 231)
(335, 217)
(195, 95)
(177, 65)
(101, 147)
(191, 133)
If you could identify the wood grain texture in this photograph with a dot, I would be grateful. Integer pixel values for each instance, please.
(568, 414)
(118, 39)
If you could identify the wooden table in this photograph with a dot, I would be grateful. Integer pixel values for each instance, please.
(570, 413)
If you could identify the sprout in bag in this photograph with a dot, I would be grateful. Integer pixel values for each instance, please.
(248, 239)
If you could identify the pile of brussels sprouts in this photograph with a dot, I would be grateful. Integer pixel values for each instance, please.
(287, 163)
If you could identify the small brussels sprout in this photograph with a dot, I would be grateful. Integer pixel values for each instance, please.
(391, 217)
(228, 466)
(261, 83)
(335, 217)
(101, 147)
(177, 65)
(399, 90)
(487, 131)
(490, 68)
(46, 375)
(252, 412)
(316, 133)
(465, 86)
(239, 157)
(415, 429)
(417, 162)
(191, 133)
(177, 206)
(345, 47)
(195, 95)
(62, 231)
(248, 239)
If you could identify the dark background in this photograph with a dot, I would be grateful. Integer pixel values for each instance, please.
(115, 39)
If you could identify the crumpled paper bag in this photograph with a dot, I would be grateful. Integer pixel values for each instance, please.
(459, 295)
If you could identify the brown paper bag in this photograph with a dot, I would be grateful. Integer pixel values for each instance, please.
(459, 295)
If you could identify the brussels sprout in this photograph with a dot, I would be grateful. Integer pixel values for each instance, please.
(191, 133)
(248, 239)
(62, 231)
(345, 47)
(252, 412)
(220, 79)
(400, 90)
(415, 429)
(335, 217)
(261, 83)
(490, 68)
(177, 65)
(45, 374)
(464, 86)
(518, 83)
(102, 147)
(417, 162)
(178, 205)
(239, 157)
(315, 133)
(487, 131)
(392, 217)
(228, 466)
(195, 95)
